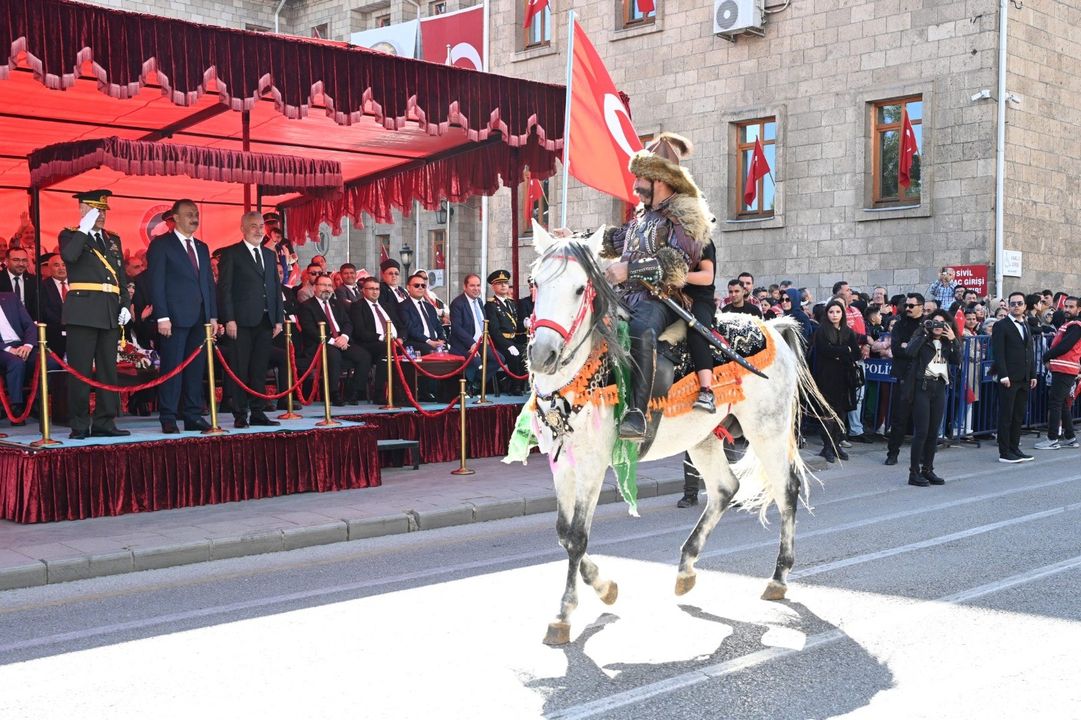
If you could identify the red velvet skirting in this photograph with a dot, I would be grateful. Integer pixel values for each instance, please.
(99, 481)
(488, 429)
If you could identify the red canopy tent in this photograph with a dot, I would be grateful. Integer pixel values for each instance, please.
(400, 129)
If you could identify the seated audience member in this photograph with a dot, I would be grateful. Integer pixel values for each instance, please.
(306, 291)
(342, 353)
(15, 279)
(390, 291)
(349, 292)
(421, 329)
(18, 335)
(370, 322)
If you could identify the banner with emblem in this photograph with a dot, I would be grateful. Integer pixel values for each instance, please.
(399, 39)
(455, 38)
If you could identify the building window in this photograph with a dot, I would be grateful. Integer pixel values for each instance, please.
(382, 21)
(539, 32)
(437, 241)
(533, 198)
(256, 28)
(747, 133)
(383, 243)
(437, 8)
(886, 131)
(321, 31)
(634, 14)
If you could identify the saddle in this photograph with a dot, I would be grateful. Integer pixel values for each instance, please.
(743, 333)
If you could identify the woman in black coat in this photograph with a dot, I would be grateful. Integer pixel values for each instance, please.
(836, 349)
(934, 347)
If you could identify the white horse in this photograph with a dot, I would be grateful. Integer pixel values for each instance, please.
(574, 313)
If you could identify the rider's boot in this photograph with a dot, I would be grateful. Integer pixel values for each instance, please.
(644, 361)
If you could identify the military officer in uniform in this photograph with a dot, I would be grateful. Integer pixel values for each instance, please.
(96, 306)
(502, 314)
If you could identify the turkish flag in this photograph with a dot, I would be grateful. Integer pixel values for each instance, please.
(908, 149)
(534, 195)
(461, 31)
(757, 169)
(646, 6)
(601, 133)
(532, 9)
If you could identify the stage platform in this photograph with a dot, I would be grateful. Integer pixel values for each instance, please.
(149, 470)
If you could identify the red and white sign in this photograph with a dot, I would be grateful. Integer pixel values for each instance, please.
(973, 277)
(455, 38)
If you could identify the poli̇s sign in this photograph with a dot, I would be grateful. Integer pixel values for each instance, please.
(973, 277)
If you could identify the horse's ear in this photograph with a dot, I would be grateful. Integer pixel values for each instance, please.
(541, 239)
(596, 241)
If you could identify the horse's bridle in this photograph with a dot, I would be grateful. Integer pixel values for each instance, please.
(588, 296)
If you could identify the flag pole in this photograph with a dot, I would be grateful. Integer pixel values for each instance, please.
(567, 119)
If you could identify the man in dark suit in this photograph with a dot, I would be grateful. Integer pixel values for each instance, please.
(421, 329)
(15, 279)
(349, 292)
(1015, 366)
(390, 291)
(53, 292)
(18, 335)
(342, 352)
(370, 322)
(96, 307)
(250, 305)
(183, 302)
(502, 315)
(467, 328)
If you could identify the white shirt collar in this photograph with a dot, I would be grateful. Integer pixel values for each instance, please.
(251, 248)
(183, 238)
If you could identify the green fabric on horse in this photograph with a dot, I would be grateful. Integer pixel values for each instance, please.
(625, 452)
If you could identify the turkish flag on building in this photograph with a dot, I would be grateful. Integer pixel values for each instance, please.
(646, 6)
(601, 133)
(757, 169)
(532, 9)
(534, 195)
(908, 150)
(461, 31)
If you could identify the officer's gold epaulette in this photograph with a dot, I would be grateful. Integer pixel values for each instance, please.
(73, 228)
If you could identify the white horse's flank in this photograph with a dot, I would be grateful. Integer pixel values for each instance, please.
(772, 472)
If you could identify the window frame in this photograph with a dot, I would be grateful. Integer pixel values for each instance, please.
(629, 20)
(321, 31)
(437, 237)
(741, 170)
(382, 21)
(525, 229)
(907, 199)
(437, 7)
(544, 19)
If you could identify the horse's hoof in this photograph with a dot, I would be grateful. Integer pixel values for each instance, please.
(609, 593)
(774, 591)
(559, 633)
(685, 583)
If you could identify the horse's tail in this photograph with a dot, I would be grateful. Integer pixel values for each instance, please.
(749, 470)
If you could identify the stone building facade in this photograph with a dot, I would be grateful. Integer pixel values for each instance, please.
(824, 86)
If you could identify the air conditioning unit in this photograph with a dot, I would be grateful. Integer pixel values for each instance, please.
(735, 17)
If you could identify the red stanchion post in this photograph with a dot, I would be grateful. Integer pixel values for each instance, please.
(327, 421)
(214, 428)
(290, 372)
(462, 469)
(43, 354)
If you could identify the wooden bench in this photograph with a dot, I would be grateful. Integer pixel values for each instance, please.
(413, 446)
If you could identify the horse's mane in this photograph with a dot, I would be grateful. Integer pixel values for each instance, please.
(606, 303)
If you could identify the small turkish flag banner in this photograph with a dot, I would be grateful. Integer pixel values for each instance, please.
(532, 9)
(646, 6)
(908, 150)
(601, 128)
(461, 31)
(757, 169)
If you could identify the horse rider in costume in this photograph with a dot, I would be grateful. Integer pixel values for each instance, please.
(663, 240)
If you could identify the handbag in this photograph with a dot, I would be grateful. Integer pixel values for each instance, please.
(855, 378)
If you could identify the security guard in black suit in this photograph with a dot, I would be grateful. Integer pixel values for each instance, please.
(502, 314)
(97, 305)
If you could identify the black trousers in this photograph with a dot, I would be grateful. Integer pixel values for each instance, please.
(183, 395)
(87, 346)
(928, 406)
(701, 352)
(900, 412)
(1057, 412)
(692, 479)
(353, 358)
(250, 357)
(1012, 402)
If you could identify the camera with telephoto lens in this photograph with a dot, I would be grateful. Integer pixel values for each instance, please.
(937, 323)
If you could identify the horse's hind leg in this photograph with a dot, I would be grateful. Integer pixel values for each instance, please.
(786, 557)
(607, 590)
(721, 485)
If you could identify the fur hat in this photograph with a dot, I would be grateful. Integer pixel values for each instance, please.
(660, 161)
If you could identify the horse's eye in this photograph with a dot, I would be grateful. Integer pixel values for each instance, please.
(580, 290)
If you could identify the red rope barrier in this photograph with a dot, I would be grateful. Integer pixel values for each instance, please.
(128, 388)
(413, 400)
(29, 401)
(315, 380)
(434, 376)
(500, 361)
(266, 396)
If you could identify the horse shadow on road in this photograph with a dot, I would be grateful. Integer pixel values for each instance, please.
(744, 677)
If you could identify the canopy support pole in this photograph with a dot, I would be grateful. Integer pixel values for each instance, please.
(514, 232)
(245, 134)
(35, 219)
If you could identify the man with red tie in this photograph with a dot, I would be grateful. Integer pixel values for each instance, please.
(53, 292)
(182, 297)
(342, 353)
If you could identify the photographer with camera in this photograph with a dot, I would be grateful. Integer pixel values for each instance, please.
(933, 348)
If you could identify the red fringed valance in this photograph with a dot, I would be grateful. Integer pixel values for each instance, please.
(276, 173)
(461, 174)
(59, 41)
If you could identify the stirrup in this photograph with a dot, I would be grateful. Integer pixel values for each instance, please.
(633, 425)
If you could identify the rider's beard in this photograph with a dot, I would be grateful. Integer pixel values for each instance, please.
(646, 196)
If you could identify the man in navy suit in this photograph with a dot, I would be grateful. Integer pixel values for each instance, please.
(182, 295)
(467, 327)
(18, 335)
(250, 305)
(422, 330)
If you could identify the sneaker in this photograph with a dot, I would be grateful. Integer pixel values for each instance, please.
(705, 401)
(1071, 443)
(1024, 457)
(865, 438)
(845, 444)
(1048, 444)
(1009, 457)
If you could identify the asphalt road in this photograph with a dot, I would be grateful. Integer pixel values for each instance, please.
(958, 601)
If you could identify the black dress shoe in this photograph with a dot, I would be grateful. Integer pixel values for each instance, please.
(240, 422)
(169, 428)
(197, 425)
(891, 459)
(687, 500)
(78, 435)
(841, 453)
(110, 432)
(262, 421)
(914, 478)
(930, 476)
